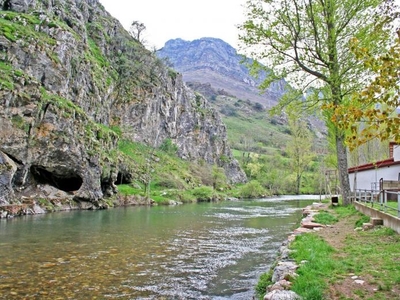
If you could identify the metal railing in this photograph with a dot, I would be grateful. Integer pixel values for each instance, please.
(380, 200)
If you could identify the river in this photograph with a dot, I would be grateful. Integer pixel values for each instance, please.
(192, 251)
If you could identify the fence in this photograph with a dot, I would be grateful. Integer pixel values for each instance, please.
(379, 199)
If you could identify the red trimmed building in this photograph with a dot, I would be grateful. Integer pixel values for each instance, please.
(367, 176)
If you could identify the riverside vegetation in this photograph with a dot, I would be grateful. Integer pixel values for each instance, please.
(342, 262)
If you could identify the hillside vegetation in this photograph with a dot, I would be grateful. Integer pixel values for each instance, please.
(259, 142)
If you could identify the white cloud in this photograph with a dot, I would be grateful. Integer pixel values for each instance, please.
(186, 19)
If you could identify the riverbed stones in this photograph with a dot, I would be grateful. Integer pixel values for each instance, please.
(284, 270)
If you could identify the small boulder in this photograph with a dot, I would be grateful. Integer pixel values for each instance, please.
(281, 295)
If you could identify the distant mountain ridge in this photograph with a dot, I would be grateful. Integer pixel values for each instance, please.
(213, 62)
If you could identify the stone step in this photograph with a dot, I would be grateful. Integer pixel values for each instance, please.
(367, 226)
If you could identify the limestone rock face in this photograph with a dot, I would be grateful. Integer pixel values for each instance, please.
(7, 171)
(68, 73)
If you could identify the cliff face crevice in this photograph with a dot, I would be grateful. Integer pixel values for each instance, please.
(69, 73)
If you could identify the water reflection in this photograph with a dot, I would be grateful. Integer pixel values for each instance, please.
(199, 251)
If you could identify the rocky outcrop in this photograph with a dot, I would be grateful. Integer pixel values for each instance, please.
(72, 83)
(7, 171)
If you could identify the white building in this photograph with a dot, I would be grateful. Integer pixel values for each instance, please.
(367, 177)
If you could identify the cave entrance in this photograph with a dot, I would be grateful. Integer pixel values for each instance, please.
(7, 5)
(66, 181)
(123, 178)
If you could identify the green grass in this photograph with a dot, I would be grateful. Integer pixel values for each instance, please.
(372, 255)
(263, 282)
(319, 262)
(325, 218)
(345, 211)
(127, 190)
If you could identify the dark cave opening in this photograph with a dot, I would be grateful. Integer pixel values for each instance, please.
(67, 182)
(123, 178)
(7, 5)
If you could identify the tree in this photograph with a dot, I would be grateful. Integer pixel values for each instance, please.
(306, 42)
(374, 111)
(136, 30)
(299, 146)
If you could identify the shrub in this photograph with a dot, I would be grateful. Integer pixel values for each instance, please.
(252, 189)
(203, 193)
(168, 146)
(169, 181)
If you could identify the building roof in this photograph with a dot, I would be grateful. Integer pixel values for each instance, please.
(375, 165)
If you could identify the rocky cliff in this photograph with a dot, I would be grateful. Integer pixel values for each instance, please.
(73, 83)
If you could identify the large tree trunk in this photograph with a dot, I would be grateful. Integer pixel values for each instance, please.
(343, 168)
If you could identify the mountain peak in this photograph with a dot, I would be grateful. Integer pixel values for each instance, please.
(213, 61)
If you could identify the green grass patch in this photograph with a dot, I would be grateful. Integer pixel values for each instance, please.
(361, 221)
(325, 218)
(372, 255)
(345, 211)
(263, 282)
(319, 264)
(128, 190)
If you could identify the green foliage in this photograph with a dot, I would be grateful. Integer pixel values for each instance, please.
(19, 122)
(252, 189)
(168, 146)
(263, 282)
(299, 146)
(318, 256)
(117, 130)
(361, 221)
(169, 181)
(171, 177)
(259, 141)
(368, 254)
(127, 190)
(203, 193)
(372, 114)
(186, 197)
(307, 43)
(325, 218)
(97, 55)
(219, 178)
(172, 73)
(345, 211)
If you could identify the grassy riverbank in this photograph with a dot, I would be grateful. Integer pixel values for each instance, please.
(345, 263)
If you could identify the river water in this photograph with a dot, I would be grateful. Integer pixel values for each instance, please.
(192, 251)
